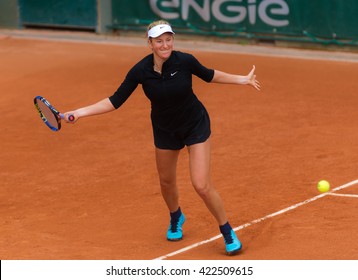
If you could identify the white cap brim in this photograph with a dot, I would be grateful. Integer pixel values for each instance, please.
(158, 30)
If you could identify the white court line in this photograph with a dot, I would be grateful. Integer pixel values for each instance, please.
(345, 195)
(259, 220)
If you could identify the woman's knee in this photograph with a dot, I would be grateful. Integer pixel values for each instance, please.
(203, 189)
(167, 183)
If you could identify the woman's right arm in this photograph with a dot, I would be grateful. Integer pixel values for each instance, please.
(101, 107)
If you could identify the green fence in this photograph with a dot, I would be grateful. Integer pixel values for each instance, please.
(322, 21)
(9, 17)
(318, 21)
(59, 13)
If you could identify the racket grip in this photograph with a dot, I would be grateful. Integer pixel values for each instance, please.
(71, 118)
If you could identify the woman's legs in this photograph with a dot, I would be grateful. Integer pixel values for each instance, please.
(166, 165)
(199, 162)
(199, 157)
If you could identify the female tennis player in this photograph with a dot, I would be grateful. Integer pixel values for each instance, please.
(179, 119)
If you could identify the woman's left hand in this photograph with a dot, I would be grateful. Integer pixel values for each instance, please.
(251, 79)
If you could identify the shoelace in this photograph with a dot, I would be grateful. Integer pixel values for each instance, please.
(228, 238)
(174, 225)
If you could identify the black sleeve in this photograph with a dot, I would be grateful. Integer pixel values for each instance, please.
(200, 70)
(127, 87)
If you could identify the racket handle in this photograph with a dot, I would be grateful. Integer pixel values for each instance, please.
(71, 118)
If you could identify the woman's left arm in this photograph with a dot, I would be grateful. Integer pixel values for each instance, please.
(225, 78)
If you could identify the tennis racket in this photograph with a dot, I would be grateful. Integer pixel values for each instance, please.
(49, 115)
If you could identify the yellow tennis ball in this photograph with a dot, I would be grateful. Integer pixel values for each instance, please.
(323, 186)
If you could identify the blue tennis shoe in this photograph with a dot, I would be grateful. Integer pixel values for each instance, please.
(232, 243)
(175, 230)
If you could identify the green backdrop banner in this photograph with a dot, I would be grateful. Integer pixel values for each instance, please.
(64, 13)
(319, 20)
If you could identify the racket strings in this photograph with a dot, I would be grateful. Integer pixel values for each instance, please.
(48, 114)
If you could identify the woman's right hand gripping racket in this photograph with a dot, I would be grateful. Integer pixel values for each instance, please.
(49, 115)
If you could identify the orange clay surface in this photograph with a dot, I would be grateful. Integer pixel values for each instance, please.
(90, 191)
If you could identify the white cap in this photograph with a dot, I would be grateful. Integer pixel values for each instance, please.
(159, 29)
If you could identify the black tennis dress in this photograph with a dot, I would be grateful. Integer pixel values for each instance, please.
(178, 117)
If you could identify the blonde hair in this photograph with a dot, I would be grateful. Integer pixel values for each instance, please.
(155, 23)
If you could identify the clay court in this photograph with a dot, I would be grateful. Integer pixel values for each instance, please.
(90, 191)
